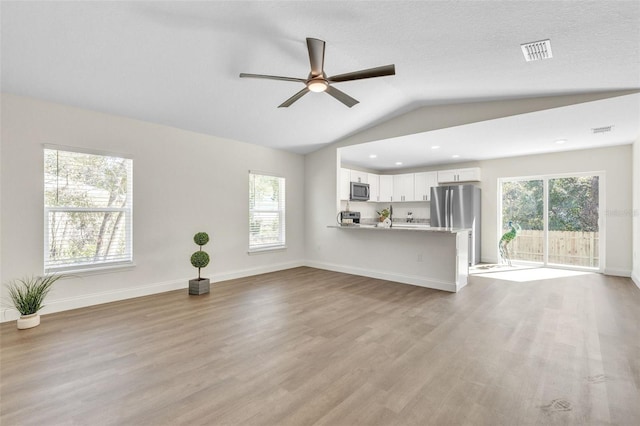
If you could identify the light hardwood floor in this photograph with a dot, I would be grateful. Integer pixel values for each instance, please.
(312, 347)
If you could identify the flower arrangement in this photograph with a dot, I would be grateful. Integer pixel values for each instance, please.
(383, 214)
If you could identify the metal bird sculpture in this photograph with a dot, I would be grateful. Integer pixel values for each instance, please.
(508, 236)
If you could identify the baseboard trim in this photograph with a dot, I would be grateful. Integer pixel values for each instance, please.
(84, 301)
(617, 272)
(388, 276)
(635, 277)
(489, 260)
(243, 273)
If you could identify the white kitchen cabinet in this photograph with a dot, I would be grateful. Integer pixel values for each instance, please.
(386, 188)
(358, 176)
(374, 187)
(403, 187)
(345, 183)
(446, 176)
(471, 174)
(423, 182)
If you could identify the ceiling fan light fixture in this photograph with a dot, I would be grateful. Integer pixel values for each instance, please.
(317, 80)
(317, 85)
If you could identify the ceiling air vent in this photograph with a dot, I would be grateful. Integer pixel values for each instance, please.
(604, 129)
(537, 50)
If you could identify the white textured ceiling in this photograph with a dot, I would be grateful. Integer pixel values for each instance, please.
(524, 134)
(177, 63)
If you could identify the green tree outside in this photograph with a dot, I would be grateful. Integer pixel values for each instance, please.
(573, 204)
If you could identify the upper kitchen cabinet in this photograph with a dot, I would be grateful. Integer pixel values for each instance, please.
(386, 188)
(403, 187)
(471, 174)
(358, 176)
(345, 183)
(374, 187)
(423, 182)
(347, 176)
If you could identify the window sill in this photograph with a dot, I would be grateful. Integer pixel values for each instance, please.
(266, 250)
(84, 271)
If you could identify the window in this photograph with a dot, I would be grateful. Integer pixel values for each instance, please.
(266, 212)
(87, 210)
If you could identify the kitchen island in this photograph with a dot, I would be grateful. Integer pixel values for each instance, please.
(421, 255)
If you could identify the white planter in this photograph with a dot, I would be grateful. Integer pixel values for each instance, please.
(28, 321)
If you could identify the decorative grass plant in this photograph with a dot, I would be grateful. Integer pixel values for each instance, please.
(28, 294)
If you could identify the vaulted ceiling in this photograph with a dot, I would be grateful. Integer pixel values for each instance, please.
(177, 63)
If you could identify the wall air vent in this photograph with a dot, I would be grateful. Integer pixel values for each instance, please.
(604, 129)
(537, 50)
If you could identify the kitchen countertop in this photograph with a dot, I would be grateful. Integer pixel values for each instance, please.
(403, 227)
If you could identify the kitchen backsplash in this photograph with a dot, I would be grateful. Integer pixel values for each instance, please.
(367, 210)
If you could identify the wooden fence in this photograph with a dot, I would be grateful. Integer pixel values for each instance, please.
(565, 247)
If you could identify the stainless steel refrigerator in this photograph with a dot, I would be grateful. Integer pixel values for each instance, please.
(458, 206)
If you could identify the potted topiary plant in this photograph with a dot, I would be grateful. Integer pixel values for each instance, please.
(27, 296)
(200, 259)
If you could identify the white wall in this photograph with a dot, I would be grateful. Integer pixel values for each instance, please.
(184, 182)
(636, 213)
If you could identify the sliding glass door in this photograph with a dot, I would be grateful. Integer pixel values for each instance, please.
(523, 210)
(552, 220)
(573, 221)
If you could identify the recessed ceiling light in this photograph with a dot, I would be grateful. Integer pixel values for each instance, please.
(435, 147)
(372, 156)
(561, 141)
(398, 163)
(455, 156)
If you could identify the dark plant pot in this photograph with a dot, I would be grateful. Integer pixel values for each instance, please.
(199, 286)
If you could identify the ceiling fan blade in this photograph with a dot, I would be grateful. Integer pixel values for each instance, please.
(368, 73)
(272, 77)
(341, 96)
(294, 98)
(316, 56)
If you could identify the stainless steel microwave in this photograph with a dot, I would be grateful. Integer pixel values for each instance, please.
(359, 191)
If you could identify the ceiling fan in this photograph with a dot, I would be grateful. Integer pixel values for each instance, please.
(317, 81)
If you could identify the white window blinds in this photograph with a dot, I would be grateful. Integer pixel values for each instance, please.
(266, 212)
(88, 210)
